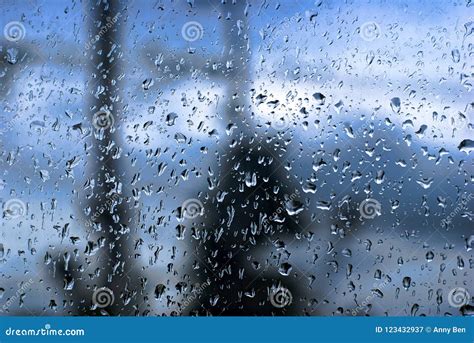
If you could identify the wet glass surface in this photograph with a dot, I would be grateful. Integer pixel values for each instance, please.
(237, 158)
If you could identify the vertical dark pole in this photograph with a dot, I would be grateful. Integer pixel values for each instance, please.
(110, 214)
(225, 255)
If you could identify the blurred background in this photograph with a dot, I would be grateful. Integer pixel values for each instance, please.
(236, 157)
